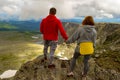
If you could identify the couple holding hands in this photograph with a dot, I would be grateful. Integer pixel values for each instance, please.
(85, 37)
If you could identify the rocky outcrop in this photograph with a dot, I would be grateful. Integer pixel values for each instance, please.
(106, 74)
(104, 65)
(108, 32)
(37, 70)
(108, 46)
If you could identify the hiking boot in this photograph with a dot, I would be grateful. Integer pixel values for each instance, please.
(51, 66)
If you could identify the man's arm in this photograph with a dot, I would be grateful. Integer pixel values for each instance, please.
(62, 31)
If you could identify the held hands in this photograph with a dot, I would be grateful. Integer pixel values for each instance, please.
(66, 44)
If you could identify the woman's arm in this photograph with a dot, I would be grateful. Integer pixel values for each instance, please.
(74, 36)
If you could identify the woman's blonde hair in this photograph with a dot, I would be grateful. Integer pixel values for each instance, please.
(88, 21)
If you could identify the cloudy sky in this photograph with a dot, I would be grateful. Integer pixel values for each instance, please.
(35, 9)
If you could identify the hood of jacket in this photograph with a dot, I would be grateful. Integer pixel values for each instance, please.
(51, 18)
(88, 28)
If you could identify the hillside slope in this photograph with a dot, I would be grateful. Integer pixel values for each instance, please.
(104, 64)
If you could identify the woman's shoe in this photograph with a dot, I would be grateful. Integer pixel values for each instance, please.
(70, 74)
(83, 74)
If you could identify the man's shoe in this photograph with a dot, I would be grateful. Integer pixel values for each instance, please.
(51, 66)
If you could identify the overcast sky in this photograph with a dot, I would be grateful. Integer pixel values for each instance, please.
(35, 9)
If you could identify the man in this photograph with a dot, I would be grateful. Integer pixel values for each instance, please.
(49, 27)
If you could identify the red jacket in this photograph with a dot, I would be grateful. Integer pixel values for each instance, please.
(50, 26)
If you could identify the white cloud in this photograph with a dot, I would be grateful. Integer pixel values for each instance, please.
(109, 6)
(27, 9)
(40, 8)
(10, 9)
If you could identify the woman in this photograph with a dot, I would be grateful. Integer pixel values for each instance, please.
(84, 34)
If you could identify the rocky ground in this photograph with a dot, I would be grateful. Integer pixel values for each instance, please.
(104, 64)
(38, 70)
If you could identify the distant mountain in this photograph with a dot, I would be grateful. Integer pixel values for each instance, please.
(73, 20)
(33, 25)
(80, 19)
(29, 25)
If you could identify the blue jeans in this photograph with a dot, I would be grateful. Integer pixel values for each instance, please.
(85, 61)
(53, 45)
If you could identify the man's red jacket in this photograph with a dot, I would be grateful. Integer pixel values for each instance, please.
(50, 26)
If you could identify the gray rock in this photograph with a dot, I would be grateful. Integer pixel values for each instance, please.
(108, 41)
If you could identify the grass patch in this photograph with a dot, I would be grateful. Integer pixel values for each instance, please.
(7, 26)
(16, 48)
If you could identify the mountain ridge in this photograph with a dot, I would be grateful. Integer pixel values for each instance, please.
(104, 64)
(33, 25)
